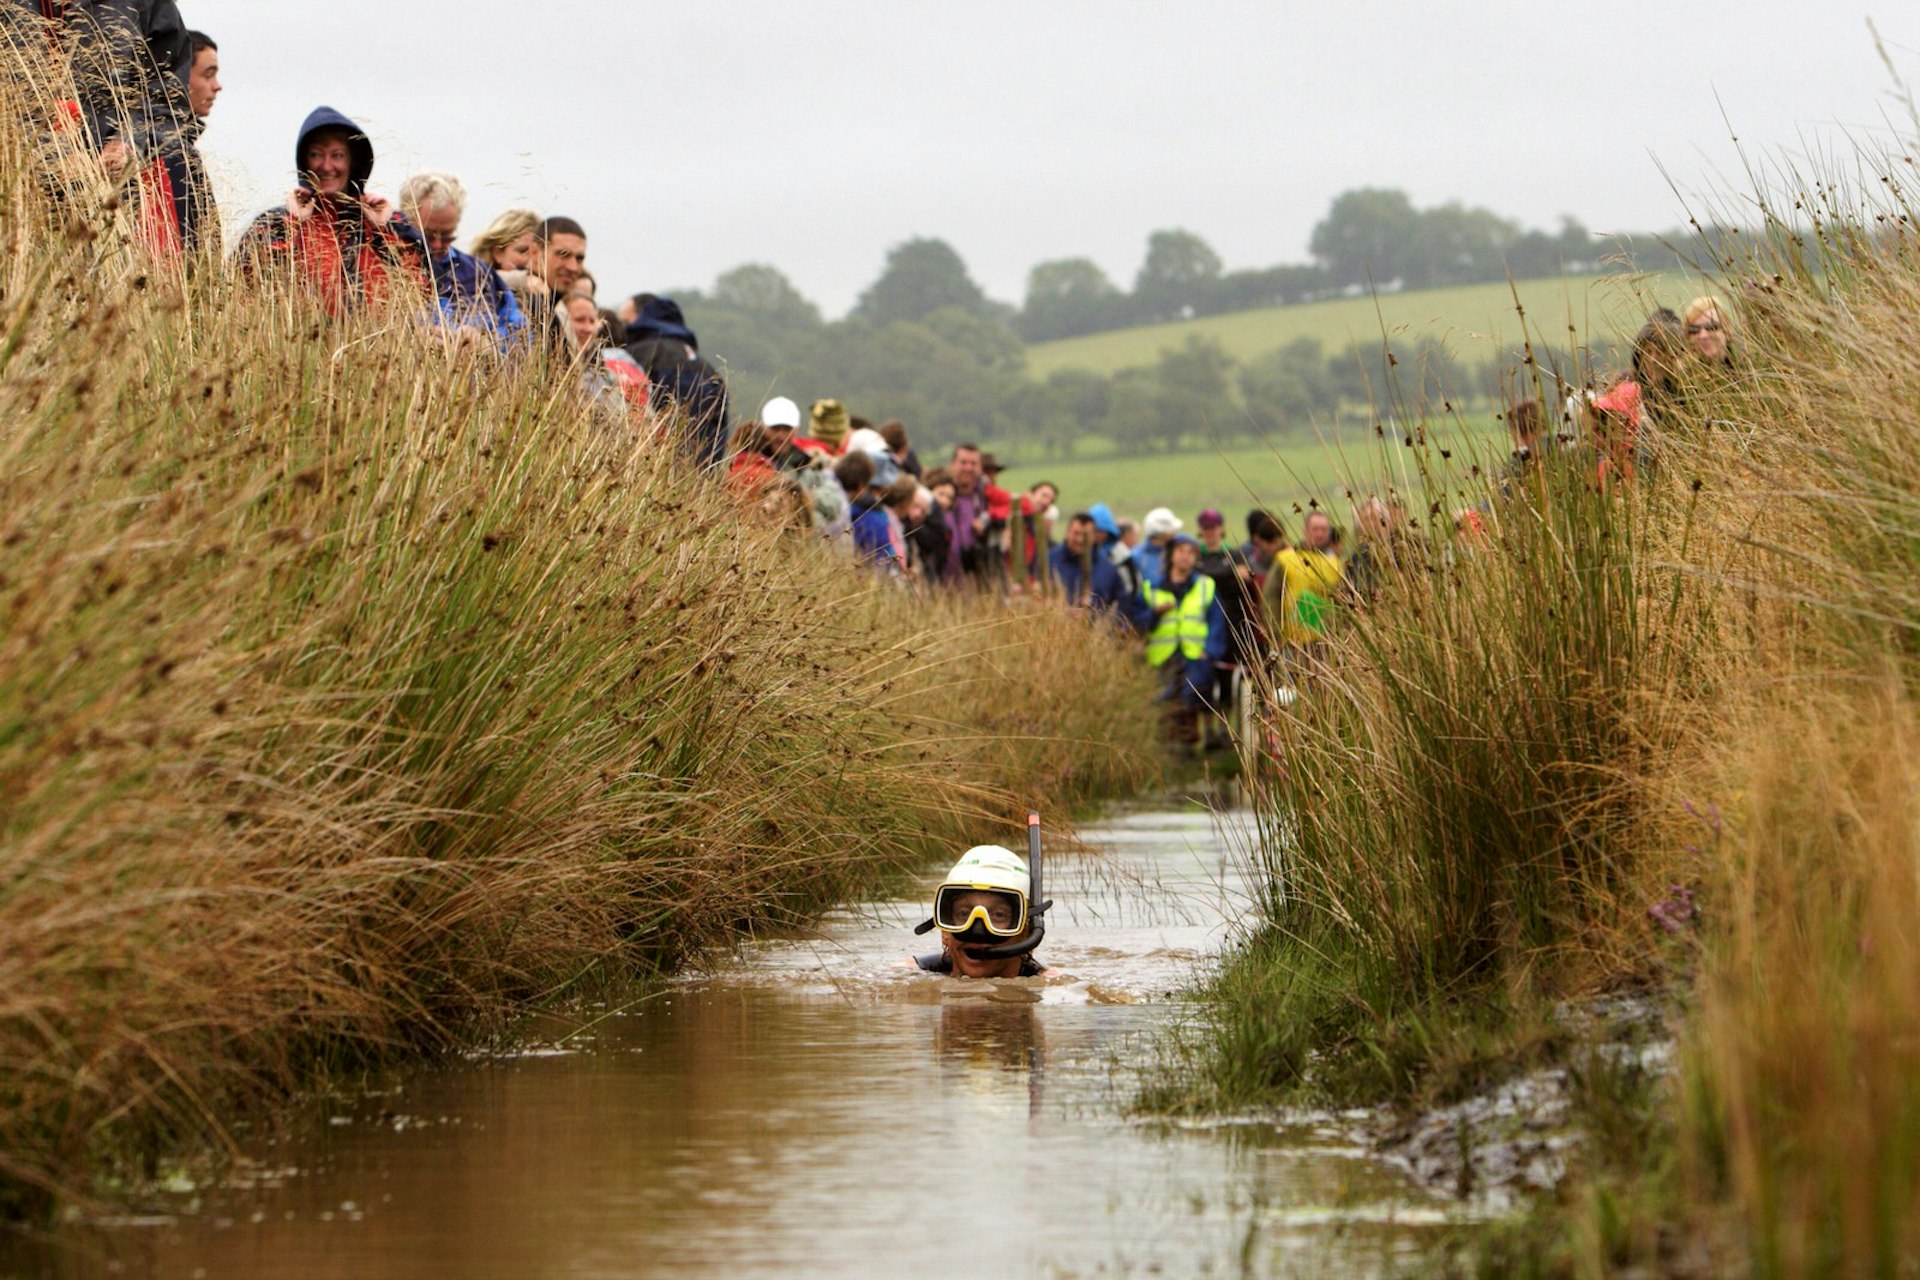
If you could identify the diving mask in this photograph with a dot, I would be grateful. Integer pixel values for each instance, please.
(984, 898)
(972, 911)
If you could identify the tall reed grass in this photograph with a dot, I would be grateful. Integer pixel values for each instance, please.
(359, 690)
(1546, 744)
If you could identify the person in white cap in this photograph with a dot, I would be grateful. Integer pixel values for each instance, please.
(1150, 556)
(985, 916)
(781, 417)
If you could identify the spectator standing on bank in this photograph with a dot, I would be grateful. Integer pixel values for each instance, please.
(967, 517)
(344, 245)
(1089, 581)
(661, 343)
(558, 256)
(894, 432)
(1157, 530)
(1300, 592)
(1186, 636)
(829, 426)
(470, 291)
(132, 61)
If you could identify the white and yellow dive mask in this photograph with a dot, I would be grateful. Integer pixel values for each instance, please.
(984, 897)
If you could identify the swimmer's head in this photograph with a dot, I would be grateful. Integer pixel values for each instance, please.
(984, 903)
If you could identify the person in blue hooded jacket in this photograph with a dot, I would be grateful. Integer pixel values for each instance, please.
(660, 342)
(1102, 591)
(470, 291)
(333, 238)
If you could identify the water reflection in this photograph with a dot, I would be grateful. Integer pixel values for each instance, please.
(818, 1109)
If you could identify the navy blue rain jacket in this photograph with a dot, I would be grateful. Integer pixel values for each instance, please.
(1109, 592)
(471, 292)
(661, 343)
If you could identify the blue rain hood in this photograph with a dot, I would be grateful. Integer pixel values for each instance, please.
(359, 147)
(660, 318)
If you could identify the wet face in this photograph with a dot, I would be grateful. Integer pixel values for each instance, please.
(203, 82)
(583, 318)
(562, 261)
(1318, 531)
(965, 469)
(439, 223)
(1708, 334)
(967, 965)
(1003, 912)
(328, 162)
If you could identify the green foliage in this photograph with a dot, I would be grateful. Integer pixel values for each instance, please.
(1288, 390)
(1481, 320)
(1368, 236)
(1178, 277)
(1069, 297)
(920, 277)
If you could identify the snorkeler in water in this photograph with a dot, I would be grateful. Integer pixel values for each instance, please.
(985, 911)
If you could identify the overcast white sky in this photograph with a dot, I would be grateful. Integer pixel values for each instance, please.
(693, 137)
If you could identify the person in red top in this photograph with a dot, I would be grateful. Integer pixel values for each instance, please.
(1618, 420)
(1033, 531)
(347, 247)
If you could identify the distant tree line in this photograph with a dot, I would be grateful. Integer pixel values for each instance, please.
(926, 345)
(1371, 238)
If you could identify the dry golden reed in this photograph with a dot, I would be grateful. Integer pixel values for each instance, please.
(360, 690)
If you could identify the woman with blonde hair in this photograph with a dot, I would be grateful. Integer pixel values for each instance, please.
(507, 246)
(1708, 332)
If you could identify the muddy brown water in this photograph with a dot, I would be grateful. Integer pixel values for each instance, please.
(815, 1108)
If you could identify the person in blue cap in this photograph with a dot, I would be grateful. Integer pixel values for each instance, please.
(1107, 544)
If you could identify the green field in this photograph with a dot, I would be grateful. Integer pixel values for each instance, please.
(1474, 319)
(1280, 476)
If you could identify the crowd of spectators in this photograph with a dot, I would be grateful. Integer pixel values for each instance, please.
(1201, 606)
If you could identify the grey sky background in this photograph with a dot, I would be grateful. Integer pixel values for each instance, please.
(690, 138)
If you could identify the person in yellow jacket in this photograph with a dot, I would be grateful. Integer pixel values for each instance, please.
(1300, 590)
(1189, 635)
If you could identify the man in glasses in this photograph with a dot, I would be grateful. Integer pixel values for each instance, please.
(471, 293)
(982, 907)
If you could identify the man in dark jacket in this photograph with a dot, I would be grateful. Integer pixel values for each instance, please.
(131, 60)
(346, 245)
(1100, 591)
(1234, 588)
(661, 343)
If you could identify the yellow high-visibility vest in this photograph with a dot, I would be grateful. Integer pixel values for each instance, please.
(1183, 627)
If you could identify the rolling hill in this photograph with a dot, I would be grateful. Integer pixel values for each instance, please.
(1474, 318)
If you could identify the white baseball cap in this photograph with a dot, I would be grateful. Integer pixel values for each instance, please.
(1161, 521)
(780, 412)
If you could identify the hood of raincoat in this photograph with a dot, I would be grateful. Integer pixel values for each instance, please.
(660, 318)
(359, 148)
